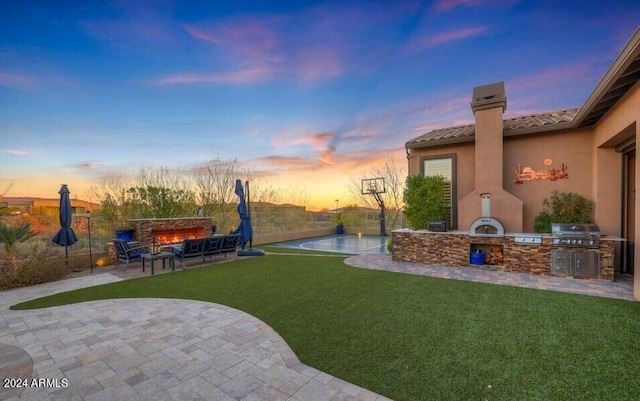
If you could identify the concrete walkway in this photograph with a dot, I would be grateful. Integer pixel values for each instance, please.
(622, 288)
(151, 349)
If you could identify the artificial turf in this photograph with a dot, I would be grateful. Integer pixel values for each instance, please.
(418, 338)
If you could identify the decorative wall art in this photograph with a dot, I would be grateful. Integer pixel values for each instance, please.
(552, 174)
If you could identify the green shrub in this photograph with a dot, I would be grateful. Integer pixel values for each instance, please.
(563, 207)
(390, 245)
(425, 200)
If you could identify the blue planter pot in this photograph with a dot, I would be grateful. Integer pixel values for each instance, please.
(340, 229)
(124, 235)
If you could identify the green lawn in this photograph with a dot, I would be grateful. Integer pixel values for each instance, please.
(419, 338)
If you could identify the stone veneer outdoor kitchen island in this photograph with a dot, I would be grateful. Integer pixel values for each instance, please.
(453, 249)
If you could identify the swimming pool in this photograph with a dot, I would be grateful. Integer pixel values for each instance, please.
(352, 244)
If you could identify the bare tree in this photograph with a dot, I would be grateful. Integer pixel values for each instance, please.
(215, 185)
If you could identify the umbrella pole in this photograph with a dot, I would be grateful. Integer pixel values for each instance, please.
(246, 184)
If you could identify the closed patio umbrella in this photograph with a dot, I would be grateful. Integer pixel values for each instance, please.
(65, 237)
(245, 229)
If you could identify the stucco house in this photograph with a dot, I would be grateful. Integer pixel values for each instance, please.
(519, 161)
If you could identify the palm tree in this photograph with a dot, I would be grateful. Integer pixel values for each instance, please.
(12, 234)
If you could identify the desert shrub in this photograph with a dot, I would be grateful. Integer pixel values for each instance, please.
(38, 269)
(563, 207)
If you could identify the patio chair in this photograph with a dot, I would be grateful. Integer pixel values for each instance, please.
(190, 248)
(128, 253)
(230, 245)
(212, 247)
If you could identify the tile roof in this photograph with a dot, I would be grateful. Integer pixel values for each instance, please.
(553, 120)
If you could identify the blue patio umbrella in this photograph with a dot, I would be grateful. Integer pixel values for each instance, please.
(65, 237)
(245, 230)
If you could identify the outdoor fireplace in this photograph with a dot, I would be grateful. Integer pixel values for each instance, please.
(171, 230)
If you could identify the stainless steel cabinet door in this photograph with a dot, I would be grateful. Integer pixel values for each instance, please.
(561, 262)
(586, 264)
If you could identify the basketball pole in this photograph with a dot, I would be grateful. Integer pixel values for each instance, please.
(371, 186)
(383, 230)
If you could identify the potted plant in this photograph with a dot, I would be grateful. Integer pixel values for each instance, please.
(124, 234)
(339, 220)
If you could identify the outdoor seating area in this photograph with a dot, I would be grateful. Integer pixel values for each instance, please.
(205, 247)
(189, 249)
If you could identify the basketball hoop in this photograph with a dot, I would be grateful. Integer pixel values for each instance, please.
(375, 187)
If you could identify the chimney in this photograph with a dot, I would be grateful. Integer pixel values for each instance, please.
(488, 105)
(486, 205)
(488, 97)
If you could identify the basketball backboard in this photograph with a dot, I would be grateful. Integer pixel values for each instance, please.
(372, 186)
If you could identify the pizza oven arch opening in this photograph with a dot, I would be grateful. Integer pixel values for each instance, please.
(486, 226)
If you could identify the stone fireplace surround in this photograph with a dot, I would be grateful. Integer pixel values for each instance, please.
(180, 228)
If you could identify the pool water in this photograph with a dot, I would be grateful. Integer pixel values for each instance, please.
(352, 244)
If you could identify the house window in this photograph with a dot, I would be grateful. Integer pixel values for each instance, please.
(445, 166)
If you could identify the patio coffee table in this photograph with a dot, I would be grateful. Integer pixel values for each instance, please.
(163, 256)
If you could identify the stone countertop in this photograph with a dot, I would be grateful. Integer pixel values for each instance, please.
(603, 237)
(606, 237)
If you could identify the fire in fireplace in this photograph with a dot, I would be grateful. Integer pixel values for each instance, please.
(171, 230)
(174, 236)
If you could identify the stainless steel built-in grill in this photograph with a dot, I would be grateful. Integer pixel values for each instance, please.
(581, 261)
(575, 235)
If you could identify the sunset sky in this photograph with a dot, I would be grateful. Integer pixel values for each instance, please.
(305, 94)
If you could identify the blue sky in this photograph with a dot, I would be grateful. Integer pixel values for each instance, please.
(309, 93)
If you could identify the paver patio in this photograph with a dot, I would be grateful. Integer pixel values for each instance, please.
(152, 349)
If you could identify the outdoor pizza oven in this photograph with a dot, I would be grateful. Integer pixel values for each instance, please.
(486, 226)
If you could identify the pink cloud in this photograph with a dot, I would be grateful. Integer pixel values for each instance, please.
(239, 77)
(445, 5)
(16, 152)
(243, 37)
(282, 166)
(564, 80)
(319, 64)
(420, 44)
(322, 143)
(555, 76)
(316, 140)
(350, 161)
(269, 46)
(13, 80)
(310, 46)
